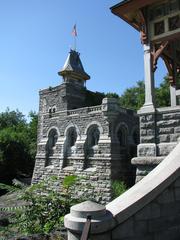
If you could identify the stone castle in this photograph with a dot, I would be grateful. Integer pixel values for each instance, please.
(81, 133)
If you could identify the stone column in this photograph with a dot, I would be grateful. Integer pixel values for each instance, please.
(149, 79)
(173, 95)
(147, 149)
(101, 221)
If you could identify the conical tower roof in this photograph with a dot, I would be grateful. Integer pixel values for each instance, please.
(73, 66)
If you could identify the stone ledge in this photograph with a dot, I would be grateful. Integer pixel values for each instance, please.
(147, 160)
(90, 169)
(168, 109)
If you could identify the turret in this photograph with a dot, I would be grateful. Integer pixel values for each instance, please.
(73, 71)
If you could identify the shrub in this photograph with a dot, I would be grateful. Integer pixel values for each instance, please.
(118, 187)
(46, 206)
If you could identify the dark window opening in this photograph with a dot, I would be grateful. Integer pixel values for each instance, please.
(121, 135)
(174, 23)
(159, 28)
(52, 138)
(174, 5)
(95, 137)
(72, 137)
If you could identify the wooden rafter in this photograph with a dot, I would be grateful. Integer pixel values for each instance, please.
(142, 27)
(172, 70)
(156, 53)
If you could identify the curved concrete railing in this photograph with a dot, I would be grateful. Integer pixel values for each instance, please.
(147, 189)
(111, 223)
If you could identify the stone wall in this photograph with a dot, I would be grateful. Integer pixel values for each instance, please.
(98, 161)
(159, 133)
(160, 219)
(150, 210)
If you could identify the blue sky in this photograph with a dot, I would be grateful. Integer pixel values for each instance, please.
(36, 38)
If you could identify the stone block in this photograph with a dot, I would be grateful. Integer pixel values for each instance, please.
(150, 117)
(170, 209)
(174, 137)
(145, 237)
(166, 197)
(141, 172)
(177, 129)
(177, 183)
(147, 125)
(164, 138)
(168, 123)
(150, 132)
(124, 230)
(141, 228)
(157, 225)
(169, 116)
(165, 148)
(171, 233)
(155, 210)
(177, 193)
(166, 130)
(93, 178)
(143, 132)
(147, 139)
(151, 211)
(142, 118)
(146, 150)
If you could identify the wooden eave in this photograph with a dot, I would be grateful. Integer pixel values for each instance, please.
(129, 8)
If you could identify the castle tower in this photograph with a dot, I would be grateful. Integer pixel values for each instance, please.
(74, 79)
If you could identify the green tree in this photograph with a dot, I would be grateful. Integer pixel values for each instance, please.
(162, 94)
(11, 119)
(17, 144)
(133, 97)
(32, 133)
(112, 95)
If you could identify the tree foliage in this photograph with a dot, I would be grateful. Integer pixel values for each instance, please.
(134, 97)
(42, 207)
(17, 144)
(162, 94)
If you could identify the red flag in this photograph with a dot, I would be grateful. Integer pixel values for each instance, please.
(74, 31)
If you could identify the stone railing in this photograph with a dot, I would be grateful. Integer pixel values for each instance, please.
(149, 210)
(85, 110)
(94, 108)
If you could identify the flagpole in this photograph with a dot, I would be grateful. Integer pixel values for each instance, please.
(74, 34)
(75, 43)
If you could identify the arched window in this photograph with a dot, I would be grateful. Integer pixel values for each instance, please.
(72, 137)
(52, 139)
(53, 136)
(50, 146)
(50, 112)
(122, 136)
(93, 136)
